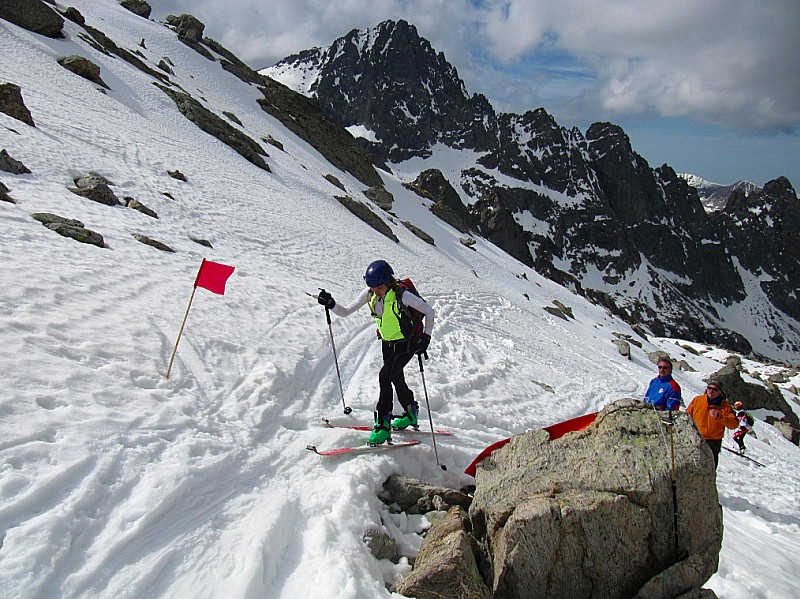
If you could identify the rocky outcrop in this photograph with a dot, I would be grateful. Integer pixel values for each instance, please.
(135, 204)
(334, 180)
(623, 346)
(419, 233)
(381, 544)
(12, 104)
(380, 197)
(368, 216)
(213, 125)
(33, 15)
(447, 205)
(188, 27)
(591, 513)
(417, 497)
(83, 67)
(96, 188)
(756, 397)
(4, 197)
(231, 63)
(69, 227)
(152, 243)
(10, 165)
(137, 7)
(304, 117)
(446, 566)
(105, 44)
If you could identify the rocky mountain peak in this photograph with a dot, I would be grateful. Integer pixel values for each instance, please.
(607, 136)
(585, 210)
(392, 82)
(714, 196)
(780, 187)
(762, 230)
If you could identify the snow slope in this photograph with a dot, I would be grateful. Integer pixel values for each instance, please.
(118, 482)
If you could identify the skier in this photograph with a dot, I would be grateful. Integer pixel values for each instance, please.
(387, 302)
(712, 413)
(746, 422)
(664, 392)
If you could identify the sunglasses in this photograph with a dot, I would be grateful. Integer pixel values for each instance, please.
(665, 367)
(713, 388)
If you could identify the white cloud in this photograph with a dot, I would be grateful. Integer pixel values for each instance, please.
(728, 62)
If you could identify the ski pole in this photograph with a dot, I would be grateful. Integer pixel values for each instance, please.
(674, 479)
(427, 403)
(347, 409)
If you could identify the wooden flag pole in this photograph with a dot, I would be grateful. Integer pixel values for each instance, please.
(169, 368)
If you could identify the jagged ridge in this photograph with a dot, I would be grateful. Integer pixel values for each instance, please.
(584, 209)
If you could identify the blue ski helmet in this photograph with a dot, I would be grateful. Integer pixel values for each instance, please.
(378, 273)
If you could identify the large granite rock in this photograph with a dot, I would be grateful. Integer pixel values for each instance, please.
(591, 513)
(446, 567)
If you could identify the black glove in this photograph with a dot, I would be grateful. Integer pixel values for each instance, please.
(420, 344)
(326, 299)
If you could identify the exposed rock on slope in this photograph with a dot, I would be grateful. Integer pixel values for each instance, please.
(591, 514)
(33, 15)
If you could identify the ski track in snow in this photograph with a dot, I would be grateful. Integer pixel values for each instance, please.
(116, 482)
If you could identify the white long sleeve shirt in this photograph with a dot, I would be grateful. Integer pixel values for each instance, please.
(409, 299)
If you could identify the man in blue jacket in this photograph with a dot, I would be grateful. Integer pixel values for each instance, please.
(664, 393)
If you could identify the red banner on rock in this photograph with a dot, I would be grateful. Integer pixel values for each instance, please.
(556, 430)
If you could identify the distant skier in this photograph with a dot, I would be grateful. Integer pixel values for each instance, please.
(746, 422)
(388, 303)
(664, 392)
(712, 413)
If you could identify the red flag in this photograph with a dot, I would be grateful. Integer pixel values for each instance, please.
(555, 430)
(213, 276)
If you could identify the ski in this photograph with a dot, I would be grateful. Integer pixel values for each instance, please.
(409, 430)
(360, 448)
(741, 455)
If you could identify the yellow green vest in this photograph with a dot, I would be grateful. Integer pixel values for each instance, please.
(389, 322)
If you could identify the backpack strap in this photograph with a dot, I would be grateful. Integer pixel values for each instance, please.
(399, 290)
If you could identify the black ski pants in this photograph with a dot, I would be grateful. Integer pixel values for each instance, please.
(396, 354)
(716, 447)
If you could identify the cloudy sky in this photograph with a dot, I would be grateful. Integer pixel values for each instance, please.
(710, 87)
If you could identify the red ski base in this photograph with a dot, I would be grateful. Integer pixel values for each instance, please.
(360, 448)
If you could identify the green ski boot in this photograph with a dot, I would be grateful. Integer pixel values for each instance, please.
(382, 431)
(409, 418)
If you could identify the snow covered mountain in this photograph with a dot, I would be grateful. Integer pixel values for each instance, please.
(715, 195)
(118, 482)
(391, 82)
(582, 209)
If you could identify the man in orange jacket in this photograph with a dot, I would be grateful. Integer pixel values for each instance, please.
(712, 414)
